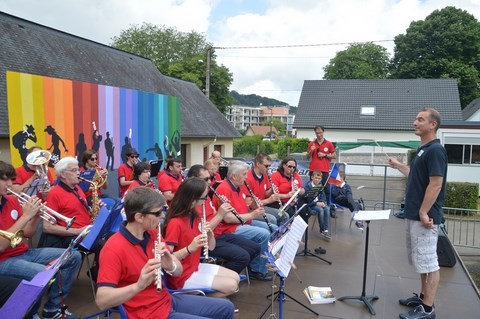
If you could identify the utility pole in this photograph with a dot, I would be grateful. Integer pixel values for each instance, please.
(207, 73)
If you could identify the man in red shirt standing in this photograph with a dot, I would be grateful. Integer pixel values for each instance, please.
(320, 151)
(125, 171)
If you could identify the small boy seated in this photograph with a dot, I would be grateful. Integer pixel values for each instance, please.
(342, 195)
(318, 205)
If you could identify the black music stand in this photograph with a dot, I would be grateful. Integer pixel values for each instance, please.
(366, 299)
(309, 196)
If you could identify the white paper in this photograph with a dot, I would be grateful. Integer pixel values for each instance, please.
(275, 246)
(292, 241)
(366, 215)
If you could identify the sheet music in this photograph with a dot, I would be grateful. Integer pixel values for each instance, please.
(372, 215)
(292, 241)
(275, 246)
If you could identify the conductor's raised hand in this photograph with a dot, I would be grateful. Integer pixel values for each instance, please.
(393, 162)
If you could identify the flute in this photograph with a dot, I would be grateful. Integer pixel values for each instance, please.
(234, 211)
(204, 232)
(275, 190)
(259, 204)
(158, 256)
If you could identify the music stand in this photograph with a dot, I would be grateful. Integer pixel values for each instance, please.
(310, 195)
(367, 216)
(283, 264)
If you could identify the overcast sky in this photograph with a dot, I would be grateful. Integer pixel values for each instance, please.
(276, 73)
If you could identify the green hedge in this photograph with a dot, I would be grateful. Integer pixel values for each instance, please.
(248, 146)
(461, 195)
(295, 145)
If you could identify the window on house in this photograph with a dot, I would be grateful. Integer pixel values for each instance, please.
(463, 154)
(367, 110)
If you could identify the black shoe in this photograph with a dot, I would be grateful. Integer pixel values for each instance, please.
(418, 313)
(320, 251)
(333, 213)
(411, 302)
(359, 224)
(260, 276)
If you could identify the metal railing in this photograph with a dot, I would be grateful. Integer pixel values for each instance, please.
(463, 226)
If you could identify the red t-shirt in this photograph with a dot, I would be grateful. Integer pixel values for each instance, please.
(137, 183)
(169, 183)
(24, 173)
(317, 163)
(10, 212)
(209, 212)
(69, 203)
(237, 199)
(284, 183)
(180, 233)
(258, 185)
(121, 261)
(126, 171)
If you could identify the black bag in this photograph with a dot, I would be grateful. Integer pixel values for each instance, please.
(445, 251)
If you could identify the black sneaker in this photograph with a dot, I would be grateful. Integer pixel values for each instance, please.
(333, 212)
(320, 251)
(57, 314)
(411, 302)
(260, 276)
(418, 313)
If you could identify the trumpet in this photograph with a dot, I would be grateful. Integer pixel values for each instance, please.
(259, 204)
(222, 200)
(158, 256)
(46, 213)
(14, 238)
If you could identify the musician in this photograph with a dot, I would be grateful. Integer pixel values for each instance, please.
(27, 174)
(214, 176)
(125, 171)
(258, 182)
(236, 251)
(141, 173)
(89, 161)
(287, 181)
(255, 230)
(169, 182)
(217, 156)
(128, 268)
(69, 200)
(22, 262)
(184, 234)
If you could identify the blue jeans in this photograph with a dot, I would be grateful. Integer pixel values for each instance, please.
(33, 261)
(323, 216)
(262, 224)
(185, 306)
(261, 236)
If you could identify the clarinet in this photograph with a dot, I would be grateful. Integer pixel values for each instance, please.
(259, 204)
(234, 211)
(275, 190)
(158, 256)
(204, 232)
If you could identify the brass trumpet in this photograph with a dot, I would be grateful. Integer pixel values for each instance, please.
(46, 213)
(14, 238)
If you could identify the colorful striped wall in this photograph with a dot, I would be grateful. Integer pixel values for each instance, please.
(64, 110)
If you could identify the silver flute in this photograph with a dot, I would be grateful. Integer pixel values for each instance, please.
(158, 256)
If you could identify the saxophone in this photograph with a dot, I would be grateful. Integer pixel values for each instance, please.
(95, 203)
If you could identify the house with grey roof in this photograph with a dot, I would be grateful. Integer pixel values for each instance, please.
(384, 110)
(32, 48)
(472, 111)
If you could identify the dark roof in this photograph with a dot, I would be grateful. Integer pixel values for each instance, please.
(32, 48)
(471, 108)
(461, 124)
(336, 104)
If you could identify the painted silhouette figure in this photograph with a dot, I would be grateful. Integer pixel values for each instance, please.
(80, 147)
(19, 140)
(56, 139)
(125, 148)
(97, 138)
(157, 151)
(109, 150)
(172, 149)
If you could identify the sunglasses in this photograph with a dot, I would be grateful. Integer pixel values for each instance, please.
(291, 166)
(267, 166)
(93, 158)
(157, 213)
(133, 156)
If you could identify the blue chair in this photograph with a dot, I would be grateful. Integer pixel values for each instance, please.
(106, 313)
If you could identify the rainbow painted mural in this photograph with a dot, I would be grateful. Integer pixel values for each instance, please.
(68, 117)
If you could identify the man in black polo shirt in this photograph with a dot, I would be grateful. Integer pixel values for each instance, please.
(423, 211)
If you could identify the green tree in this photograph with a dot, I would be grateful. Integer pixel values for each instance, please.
(277, 124)
(359, 61)
(178, 54)
(444, 45)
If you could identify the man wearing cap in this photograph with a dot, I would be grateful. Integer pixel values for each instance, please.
(125, 171)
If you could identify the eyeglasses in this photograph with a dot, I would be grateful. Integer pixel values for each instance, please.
(266, 166)
(157, 213)
(291, 166)
(73, 170)
(203, 198)
(133, 156)
(93, 158)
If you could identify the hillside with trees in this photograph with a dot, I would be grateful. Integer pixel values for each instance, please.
(254, 100)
